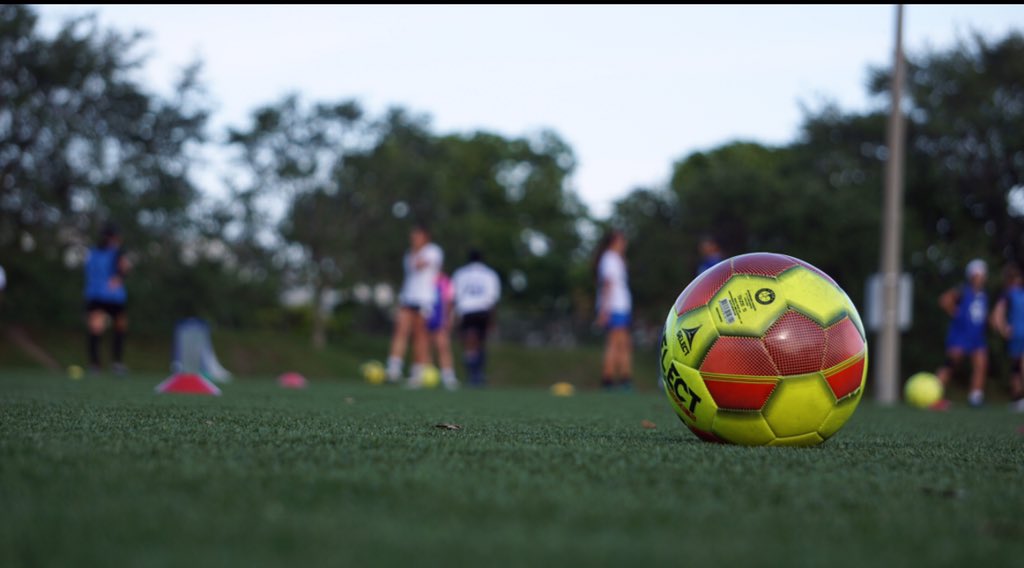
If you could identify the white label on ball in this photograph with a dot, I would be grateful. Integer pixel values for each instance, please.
(727, 312)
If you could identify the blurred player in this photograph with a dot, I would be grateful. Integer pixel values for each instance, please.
(106, 297)
(614, 309)
(440, 326)
(968, 306)
(422, 264)
(710, 254)
(477, 290)
(1008, 320)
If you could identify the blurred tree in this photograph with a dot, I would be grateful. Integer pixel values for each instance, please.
(292, 154)
(82, 142)
(508, 197)
(965, 174)
(819, 198)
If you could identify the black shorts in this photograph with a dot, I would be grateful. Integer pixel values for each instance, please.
(111, 309)
(477, 322)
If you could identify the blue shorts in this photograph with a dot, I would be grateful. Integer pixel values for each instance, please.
(1016, 347)
(436, 320)
(618, 320)
(966, 342)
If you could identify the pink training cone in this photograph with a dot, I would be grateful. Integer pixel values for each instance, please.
(292, 381)
(187, 383)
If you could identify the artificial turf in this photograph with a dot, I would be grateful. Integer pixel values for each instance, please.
(102, 472)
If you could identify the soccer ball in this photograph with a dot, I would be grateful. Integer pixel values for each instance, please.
(431, 377)
(563, 389)
(922, 390)
(373, 372)
(764, 349)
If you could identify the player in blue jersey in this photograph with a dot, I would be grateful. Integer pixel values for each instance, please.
(106, 297)
(968, 306)
(1008, 320)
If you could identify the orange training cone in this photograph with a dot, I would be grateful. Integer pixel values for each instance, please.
(187, 383)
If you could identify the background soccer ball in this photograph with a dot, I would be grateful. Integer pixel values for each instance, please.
(373, 372)
(922, 390)
(431, 377)
(764, 349)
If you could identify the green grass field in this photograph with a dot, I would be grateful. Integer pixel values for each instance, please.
(102, 472)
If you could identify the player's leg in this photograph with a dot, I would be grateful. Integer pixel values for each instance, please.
(626, 359)
(400, 342)
(443, 344)
(609, 362)
(620, 357)
(420, 349)
(120, 319)
(474, 337)
(1017, 382)
(945, 374)
(470, 349)
(95, 322)
(483, 323)
(953, 357)
(979, 371)
(437, 328)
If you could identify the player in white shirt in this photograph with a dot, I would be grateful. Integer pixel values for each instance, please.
(477, 290)
(422, 264)
(614, 311)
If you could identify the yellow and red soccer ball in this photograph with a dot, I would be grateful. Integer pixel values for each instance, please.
(764, 349)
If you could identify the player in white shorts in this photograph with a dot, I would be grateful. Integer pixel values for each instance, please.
(422, 264)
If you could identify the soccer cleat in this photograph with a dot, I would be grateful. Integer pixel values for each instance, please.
(415, 381)
(1017, 405)
(394, 371)
(941, 406)
(976, 399)
(119, 369)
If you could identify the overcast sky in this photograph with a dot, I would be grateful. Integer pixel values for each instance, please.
(630, 88)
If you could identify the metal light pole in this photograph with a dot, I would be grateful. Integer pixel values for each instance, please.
(888, 367)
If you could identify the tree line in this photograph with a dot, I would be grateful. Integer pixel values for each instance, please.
(324, 192)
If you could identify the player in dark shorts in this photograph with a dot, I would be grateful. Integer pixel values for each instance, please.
(477, 290)
(476, 323)
(106, 297)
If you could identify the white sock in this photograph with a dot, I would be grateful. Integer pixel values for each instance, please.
(416, 373)
(394, 368)
(449, 380)
(976, 397)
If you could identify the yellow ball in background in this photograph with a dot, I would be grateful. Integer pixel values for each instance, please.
(563, 389)
(373, 372)
(431, 377)
(75, 372)
(922, 390)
